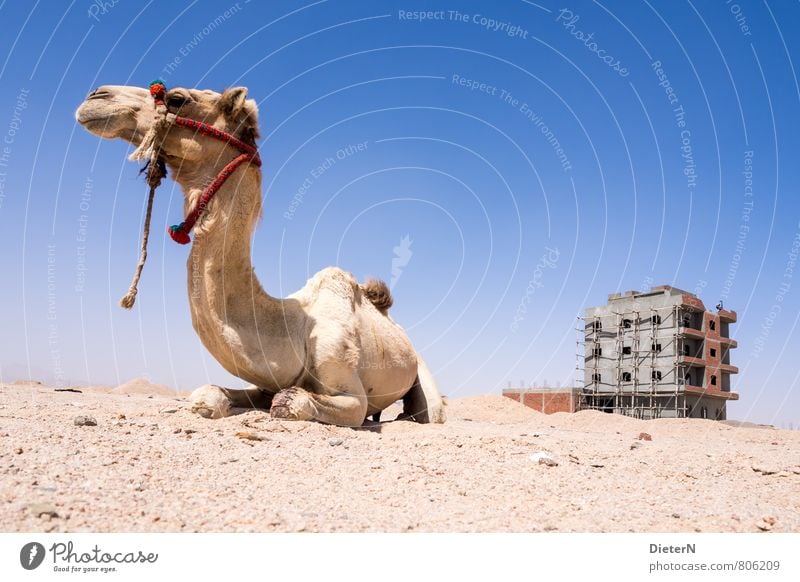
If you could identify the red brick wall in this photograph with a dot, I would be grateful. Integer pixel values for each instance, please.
(557, 402)
(547, 401)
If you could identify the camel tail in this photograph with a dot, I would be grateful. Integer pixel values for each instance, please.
(379, 295)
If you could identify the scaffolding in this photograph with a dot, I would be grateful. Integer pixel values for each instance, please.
(613, 382)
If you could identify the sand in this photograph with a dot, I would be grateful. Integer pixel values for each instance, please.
(151, 465)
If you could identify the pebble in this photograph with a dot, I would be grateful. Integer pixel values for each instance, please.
(42, 509)
(643, 436)
(189, 430)
(635, 445)
(177, 430)
(544, 459)
(169, 411)
(249, 436)
(84, 420)
(18, 450)
(335, 442)
(766, 523)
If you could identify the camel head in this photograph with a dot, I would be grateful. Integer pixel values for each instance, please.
(191, 131)
(118, 111)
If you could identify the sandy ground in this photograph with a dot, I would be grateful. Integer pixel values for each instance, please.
(151, 465)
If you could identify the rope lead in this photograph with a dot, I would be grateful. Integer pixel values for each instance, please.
(155, 173)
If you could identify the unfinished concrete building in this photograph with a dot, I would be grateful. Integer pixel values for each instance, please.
(657, 354)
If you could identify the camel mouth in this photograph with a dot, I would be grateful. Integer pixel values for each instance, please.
(97, 119)
(86, 121)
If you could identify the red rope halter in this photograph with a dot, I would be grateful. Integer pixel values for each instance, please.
(180, 232)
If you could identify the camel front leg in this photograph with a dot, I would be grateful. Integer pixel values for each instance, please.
(341, 399)
(212, 401)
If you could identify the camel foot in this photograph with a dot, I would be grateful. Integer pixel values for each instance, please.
(292, 404)
(210, 401)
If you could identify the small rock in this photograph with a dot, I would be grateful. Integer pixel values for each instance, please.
(635, 445)
(765, 470)
(574, 459)
(544, 459)
(84, 420)
(43, 509)
(169, 411)
(18, 451)
(121, 417)
(597, 465)
(189, 431)
(676, 515)
(766, 523)
(177, 430)
(335, 442)
(643, 436)
(249, 436)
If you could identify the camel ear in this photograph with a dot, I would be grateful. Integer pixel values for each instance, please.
(232, 101)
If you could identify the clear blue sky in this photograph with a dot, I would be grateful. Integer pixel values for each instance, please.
(528, 163)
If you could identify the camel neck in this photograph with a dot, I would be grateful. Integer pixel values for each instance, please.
(220, 270)
(227, 302)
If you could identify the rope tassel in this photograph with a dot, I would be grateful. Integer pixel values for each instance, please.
(155, 173)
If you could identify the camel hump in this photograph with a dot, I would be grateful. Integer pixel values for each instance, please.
(378, 293)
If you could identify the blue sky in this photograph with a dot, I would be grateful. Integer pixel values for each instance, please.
(519, 161)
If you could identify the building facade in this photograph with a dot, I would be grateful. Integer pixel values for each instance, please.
(658, 354)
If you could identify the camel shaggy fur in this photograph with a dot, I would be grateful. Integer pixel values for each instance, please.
(329, 352)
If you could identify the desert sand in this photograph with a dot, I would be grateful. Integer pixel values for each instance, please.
(149, 464)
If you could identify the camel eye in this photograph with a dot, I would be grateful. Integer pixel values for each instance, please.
(176, 101)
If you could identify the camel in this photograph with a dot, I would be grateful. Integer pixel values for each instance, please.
(329, 352)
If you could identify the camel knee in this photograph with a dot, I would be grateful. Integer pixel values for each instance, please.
(210, 401)
(292, 404)
(298, 404)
